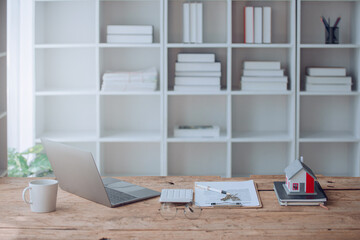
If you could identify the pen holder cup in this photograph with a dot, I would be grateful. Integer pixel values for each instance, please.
(332, 35)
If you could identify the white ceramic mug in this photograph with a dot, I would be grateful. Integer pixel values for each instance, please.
(43, 195)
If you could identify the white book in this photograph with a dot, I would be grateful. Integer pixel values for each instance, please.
(327, 80)
(196, 57)
(263, 73)
(267, 25)
(262, 65)
(283, 79)
(130, 29)
(196, 88)
(328, 87)
(197, 81)
(196, 131)
(258, 25)
(129, 38)
(263, 86)
(193, 28)
(186, 22)
(199, 22)
(249, 24)
(197, 74)
(204, 67)
(326, 71)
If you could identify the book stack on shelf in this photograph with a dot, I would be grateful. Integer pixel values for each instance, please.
(197, 131)
(257, 24)
(197, 72)
(193, 23)
(263, 76)
(129, 34)
(143, 80)
(327, 79)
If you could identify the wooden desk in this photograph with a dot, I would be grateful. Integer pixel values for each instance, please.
(77, 218)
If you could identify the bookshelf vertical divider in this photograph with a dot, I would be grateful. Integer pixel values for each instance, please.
(3, 87)
(132, 133)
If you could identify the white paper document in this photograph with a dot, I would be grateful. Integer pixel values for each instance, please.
(245, 191)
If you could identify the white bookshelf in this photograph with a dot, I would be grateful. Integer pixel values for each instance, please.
(131, 133)
(3, 88)
(328, 130)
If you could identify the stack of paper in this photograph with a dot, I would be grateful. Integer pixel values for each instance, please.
(324, 79)
(129, 34)
(197, 72)
(257, 24)
(263, 76)
(193, 23)
(144, 80)
(196, 131)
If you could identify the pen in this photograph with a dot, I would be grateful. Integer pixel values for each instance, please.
(337, 21)
(212, 189)
(327, 26)
(221, 204)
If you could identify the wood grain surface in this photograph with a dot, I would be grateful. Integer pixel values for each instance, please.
(77, 218)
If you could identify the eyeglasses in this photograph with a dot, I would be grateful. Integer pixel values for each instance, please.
(169, 210)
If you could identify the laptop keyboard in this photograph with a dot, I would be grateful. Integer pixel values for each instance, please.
(118, 197)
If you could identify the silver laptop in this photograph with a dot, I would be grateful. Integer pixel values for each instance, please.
(76, 173)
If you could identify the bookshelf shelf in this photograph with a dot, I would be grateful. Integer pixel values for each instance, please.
(137, 45)
(50, 46)
(329, 45)
(273, 45)
(261, 132)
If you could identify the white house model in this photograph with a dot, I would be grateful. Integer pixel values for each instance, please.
(300, 180)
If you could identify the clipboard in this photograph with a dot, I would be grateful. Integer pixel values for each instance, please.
(251, 186)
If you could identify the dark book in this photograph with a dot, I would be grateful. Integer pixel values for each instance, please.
(285, 199)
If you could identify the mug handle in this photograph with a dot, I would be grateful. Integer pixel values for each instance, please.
(23, 195)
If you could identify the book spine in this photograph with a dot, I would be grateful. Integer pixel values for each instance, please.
(186, 23)
(259, 65)
(326, 72)
(258, 22)
(201, 67)
(129, 29)
(267, 25)
(193, 29)
(249, 24)
(263, 73)
(257, 86)
(328, 80)
(328, 87)
(199, 22)
(188, 57)
(197, 74)
(129, 38)
(194, 88)
(197, 80)
(264, 79)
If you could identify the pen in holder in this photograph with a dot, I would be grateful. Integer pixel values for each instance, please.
(331, 33)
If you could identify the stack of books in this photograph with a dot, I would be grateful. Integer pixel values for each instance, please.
(197, 131)
(327, 79)
(257, 24)
(143, 80)
(193, 23)
(263, 76)
(319, 197)
(129, 34)
(197, 72)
